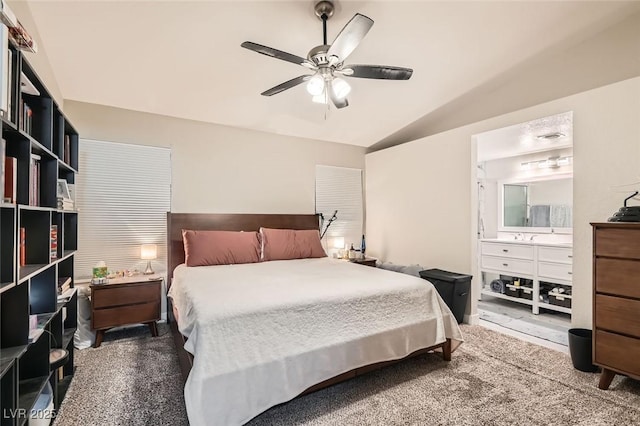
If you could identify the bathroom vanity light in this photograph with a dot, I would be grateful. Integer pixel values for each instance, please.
(550, 162)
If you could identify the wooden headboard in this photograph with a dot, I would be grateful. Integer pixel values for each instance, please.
(176, 222)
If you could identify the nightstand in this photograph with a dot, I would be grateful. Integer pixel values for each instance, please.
(124, 301)
(367, 261)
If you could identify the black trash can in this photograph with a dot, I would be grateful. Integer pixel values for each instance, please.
(580, 340)
(454, 289)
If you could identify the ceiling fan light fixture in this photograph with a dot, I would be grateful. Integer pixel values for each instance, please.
(340, 88)
(320, 99)
(315, 85)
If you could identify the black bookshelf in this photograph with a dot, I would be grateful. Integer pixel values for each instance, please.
(38, 244)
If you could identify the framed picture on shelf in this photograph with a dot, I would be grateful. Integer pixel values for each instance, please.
(63, 190)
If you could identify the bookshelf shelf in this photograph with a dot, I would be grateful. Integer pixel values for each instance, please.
(39, 242)
(6, 286)
(29, 391)
(28, 271)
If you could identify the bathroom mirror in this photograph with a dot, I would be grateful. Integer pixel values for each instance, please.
(543, 205)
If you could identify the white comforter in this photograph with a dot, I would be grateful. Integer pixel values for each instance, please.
(262, 333)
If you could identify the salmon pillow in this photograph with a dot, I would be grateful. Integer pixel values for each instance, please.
(285, 244)
(203, 248)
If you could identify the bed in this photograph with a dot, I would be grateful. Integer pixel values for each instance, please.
(251, 336)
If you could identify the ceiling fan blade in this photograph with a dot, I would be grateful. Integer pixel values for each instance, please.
(339, 103)
(286, 85)
(275, 53)
(350, 37)
(381, 72)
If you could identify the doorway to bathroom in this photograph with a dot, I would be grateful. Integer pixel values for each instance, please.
(524, 179)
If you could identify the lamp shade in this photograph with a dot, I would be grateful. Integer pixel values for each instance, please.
(337, 242)
(148, 251)
(315, 85)
(340, 88)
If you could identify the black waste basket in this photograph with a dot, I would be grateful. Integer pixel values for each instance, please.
(454, 289)
(580, 349)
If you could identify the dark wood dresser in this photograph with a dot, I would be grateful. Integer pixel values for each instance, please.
(616, 300)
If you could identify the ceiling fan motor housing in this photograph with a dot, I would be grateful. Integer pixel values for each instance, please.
(318, 55)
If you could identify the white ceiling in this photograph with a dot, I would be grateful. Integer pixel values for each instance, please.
(184, 59)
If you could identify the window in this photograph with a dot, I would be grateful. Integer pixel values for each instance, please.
(340, 188)
(123, 196)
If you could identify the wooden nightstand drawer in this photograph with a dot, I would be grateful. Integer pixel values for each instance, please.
(114, 295)
(112, 317)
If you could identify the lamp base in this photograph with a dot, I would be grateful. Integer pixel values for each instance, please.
(148, 271)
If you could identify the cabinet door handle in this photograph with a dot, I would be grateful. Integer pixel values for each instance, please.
(570, 273)
(505, 264)
(505, 250)
(570, 256)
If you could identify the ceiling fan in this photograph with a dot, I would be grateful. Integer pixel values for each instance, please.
(327, 61)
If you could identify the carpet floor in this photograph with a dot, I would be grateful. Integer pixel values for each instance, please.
(493, 379)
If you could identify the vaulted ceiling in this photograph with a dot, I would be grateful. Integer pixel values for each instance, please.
(183, 59)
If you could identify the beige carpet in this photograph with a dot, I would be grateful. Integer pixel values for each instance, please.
(493, 379)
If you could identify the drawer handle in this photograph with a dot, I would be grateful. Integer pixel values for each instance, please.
(570, 273)
(505, 264)
(505, 250)
(570, 256)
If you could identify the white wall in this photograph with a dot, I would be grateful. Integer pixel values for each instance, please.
(421, 196)
(221, 169)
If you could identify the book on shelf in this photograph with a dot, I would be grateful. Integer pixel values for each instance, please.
(67, 149)
(10, 179)
(23, 246)
(22, 39)
(4, 69)
(34, 180)
(25, 117)
(26, 86)
(3, 153)
(64, 287)
(54, 243)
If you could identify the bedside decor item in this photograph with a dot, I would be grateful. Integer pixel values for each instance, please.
(99, 273)
(148, 252)
(334, 217)
(627, 213)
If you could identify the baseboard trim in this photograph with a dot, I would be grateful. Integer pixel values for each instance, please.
(472, 319)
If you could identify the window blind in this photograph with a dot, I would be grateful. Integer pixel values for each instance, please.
(340, 188)
(123, 193)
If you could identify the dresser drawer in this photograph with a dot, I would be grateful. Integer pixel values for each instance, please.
(123, 315)
(507, 265)
(517, 251)
(555, 254)
(124, 294)
(618, 277)
(618, 314)
(558, 271)
(617, 243)
(618, 352)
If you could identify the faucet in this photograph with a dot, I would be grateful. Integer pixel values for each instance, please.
(532, 237)
(519, 236)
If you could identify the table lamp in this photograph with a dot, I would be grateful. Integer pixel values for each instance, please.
(148, 252)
